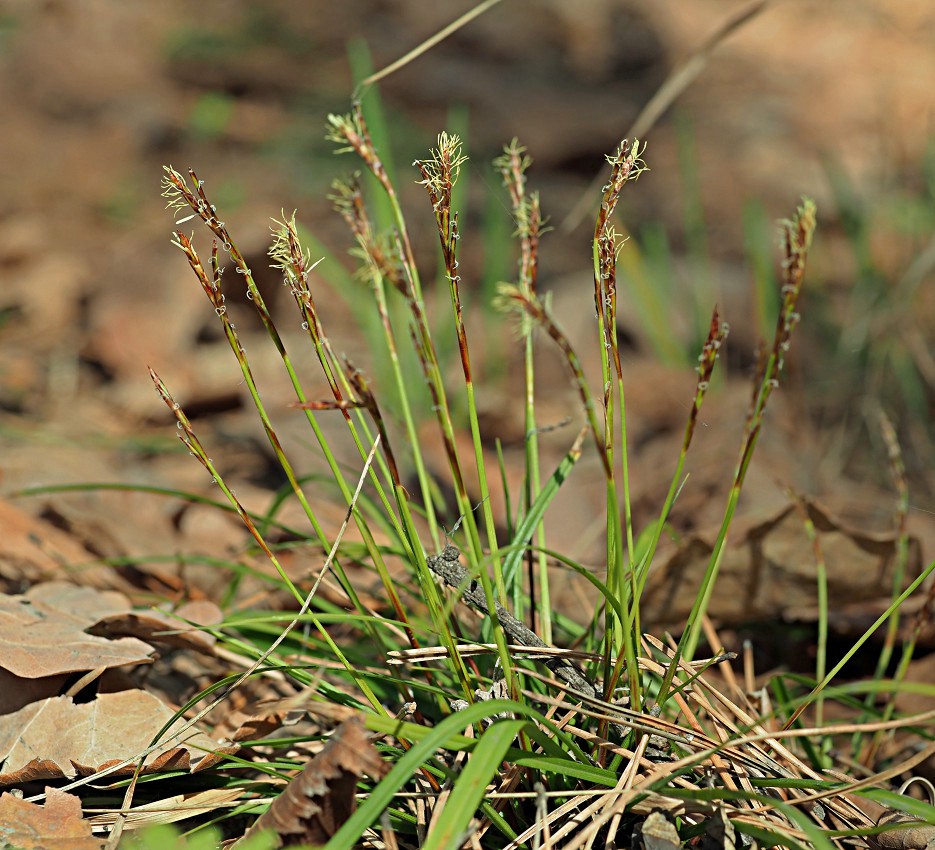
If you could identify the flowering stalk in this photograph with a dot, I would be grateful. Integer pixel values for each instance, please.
(512, 165)
(796, 241)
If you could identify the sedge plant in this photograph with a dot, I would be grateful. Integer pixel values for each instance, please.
(491, 731)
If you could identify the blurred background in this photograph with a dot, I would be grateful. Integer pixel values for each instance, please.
(832, 100)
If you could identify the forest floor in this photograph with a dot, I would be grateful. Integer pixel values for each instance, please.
(833, 103)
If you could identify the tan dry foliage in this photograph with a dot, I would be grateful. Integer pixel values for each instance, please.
(321, 798)
(42, 633)
(659, 833)
(56, 629)
(57, 825)
(163, 627)
(770, 571)
(57, 738)
(32, 550)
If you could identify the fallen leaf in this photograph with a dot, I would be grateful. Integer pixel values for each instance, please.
(250, 729)
(719, 833)
(770, 571)
(258, 727)
(659, 833)
(39, 638)
(15, 692)
(58, 738)
(315, 804)
(84, 604)
(912, 836)
(57, 825)
(157, 626)
(32, 550)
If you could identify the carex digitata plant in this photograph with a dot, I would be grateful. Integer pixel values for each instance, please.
(492, 731)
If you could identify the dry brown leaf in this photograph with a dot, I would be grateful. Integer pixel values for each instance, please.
(771, 571)
(164, 627)
(913, 836)
(250, 729)
(39, 638)
(215, 757)
(177, 758)
(57, 825)
(32, 550)
(260, 720)
(258, 727)
(84, 604)
(321, 798)
(57, 738)
(659, 833)
(15, 692)
(719, 833)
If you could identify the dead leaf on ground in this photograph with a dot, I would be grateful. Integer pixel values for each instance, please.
(41, 638)
(250, 729)
(57, 738)
(57, 825)
(771, 571)
(257, 720)
(659, 833)
(84, 604)
(33, 550)
(15, 691)
(322, 797)
(912, 836)
(157, 626)
(719, 833)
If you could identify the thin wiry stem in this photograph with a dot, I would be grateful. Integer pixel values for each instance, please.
(439, 174)
(352, 131)
(626, 165)
(512, 165)
(796, 241)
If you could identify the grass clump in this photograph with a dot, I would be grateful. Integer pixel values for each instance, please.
(493, 736)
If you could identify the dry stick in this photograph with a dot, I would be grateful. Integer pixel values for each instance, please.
(425, 46)
(447, 566)
(676, 83)
(118, 828)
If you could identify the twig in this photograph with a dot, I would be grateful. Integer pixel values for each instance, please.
(447, 567)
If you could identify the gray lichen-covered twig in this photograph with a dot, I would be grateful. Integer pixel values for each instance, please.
(447, 567)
